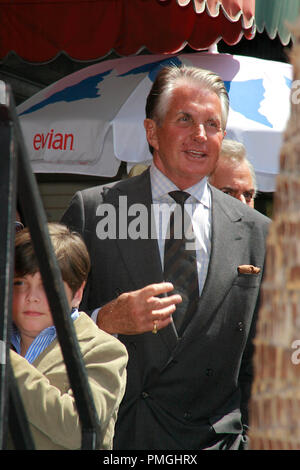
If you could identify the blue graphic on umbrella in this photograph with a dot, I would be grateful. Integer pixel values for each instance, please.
(88, 88)
(245, 96)
(153, 69)
(288, 81)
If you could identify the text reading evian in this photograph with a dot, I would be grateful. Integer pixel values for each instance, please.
(53, 140)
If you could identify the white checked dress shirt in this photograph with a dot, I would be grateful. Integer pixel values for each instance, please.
(200, 211)
(198, 205)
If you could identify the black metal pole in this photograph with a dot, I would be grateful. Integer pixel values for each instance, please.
(32, 208)
(18, 424)
(7, 198)
(35, 217)
(7, 201)
(11, 405)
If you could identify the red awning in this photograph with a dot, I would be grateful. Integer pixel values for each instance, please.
(37, 30)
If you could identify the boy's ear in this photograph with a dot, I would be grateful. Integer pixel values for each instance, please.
(78, 296)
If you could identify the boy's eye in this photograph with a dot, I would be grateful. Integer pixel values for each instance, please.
(18, 283)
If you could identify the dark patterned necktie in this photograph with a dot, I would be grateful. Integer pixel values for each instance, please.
(180, 265)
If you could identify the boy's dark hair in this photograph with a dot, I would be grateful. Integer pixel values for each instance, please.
(69, 248)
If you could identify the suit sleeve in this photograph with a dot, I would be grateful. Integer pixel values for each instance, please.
(74, 216)
(54, 412)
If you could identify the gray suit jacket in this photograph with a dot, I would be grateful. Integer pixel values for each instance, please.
(188, 392)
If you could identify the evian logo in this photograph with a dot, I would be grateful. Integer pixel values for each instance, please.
(54, 141)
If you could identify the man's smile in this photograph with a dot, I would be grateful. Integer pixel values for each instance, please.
(196, 154)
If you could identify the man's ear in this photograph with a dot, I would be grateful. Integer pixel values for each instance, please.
(78, 296)
(151, 132)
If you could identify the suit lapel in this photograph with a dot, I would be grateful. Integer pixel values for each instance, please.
(227, 245)
(140, 256)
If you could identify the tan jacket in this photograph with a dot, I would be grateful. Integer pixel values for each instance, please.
(48, 398)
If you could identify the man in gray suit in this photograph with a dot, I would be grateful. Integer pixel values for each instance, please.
(188, 383)
(234, 173)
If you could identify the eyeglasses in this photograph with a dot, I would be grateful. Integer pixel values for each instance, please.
(18, 226)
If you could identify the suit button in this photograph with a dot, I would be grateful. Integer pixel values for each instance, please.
(209, 372)
(145, 395)
(240, 326)
(187, 415)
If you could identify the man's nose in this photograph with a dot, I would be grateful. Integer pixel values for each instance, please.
(241, 197)
(200, 132)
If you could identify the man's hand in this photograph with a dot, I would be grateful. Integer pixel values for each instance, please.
(135, 312)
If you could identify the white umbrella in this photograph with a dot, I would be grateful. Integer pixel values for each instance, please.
(91, 120)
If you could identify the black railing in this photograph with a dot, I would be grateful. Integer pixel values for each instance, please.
(16, 177)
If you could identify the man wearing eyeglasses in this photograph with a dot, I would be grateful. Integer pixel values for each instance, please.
(234, 174)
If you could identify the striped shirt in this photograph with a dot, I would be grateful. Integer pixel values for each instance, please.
(198, 205)
(40, 342)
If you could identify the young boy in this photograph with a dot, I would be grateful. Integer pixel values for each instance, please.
(38, 363)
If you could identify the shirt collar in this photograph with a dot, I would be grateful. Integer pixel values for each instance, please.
(50, 331)
(161, 186)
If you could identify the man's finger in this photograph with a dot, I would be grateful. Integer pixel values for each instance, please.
(163, 323)
(158, 303)
(157, 289)
(163, 313)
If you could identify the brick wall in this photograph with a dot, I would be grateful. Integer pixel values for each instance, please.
(275, 401)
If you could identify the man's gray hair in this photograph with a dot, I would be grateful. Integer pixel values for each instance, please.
(234, 151)
(171, 77)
